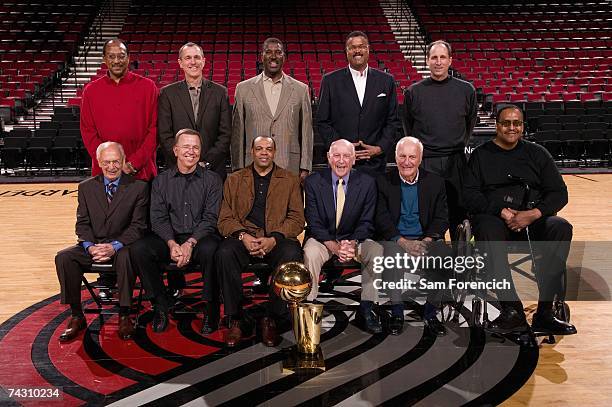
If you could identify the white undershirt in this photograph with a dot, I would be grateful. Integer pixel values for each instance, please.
(359, 79)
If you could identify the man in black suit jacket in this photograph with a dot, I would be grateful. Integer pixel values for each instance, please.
(359, 104)
(411, 215)
(199, 104)
(111, 215)
(340, 222)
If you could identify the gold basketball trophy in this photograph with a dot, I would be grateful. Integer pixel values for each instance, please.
(292, 283)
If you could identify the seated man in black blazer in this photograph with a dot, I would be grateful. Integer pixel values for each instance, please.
(340, 206)
(112, 214)
(411, 215)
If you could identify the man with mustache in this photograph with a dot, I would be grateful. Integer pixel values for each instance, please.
(199, 104)
(359, 104)
(273, 104)
(441, 112)
(496, 204)
(121, 107)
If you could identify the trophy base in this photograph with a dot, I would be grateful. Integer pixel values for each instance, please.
(296, 361)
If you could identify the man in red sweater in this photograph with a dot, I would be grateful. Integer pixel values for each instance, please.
(121, 107)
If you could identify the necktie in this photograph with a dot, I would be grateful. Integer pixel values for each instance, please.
(339, 201)
(110, 191)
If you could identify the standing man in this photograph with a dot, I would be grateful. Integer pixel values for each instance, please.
(441, 112)
(497, 203)
(359, 104)
(275, 105)
(185, 203)
(261, 216)
(121, 107)
(411, 216)
(199, 104)
(111, 215)
(340, 206)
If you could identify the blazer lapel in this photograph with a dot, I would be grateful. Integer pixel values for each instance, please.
(327, 196)
(100, 194)
(186, 101)
(371, 87)
(395, 196)
(351, 194)
(119, 194)
(258, 90)
(350, 86)
(284, 97)
(203, 100)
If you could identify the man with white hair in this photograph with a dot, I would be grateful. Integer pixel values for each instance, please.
(340, 207)
(111, 215)
(411, 214)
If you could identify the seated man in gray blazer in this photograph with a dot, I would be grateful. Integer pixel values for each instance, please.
(273, 104)
(111, 215)
(340, 206)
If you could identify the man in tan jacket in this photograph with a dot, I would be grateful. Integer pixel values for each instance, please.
(261, 216)
(273, 104)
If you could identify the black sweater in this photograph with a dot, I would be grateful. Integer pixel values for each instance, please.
(487, 184)
(441, 114)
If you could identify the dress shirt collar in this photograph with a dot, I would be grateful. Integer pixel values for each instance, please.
(416, 179)
(356, 74)
(268, 175)
(335, 178)
(267, 78)
(107, 181)
(198, 86)
(125, 79)
(176, 173)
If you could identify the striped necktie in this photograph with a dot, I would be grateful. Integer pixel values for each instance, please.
(339, 201)
(110, 191)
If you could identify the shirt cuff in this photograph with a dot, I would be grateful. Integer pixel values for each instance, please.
(117, 245)
(86, 246)
(277, 236)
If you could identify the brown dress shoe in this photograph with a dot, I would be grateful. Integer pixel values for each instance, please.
(234, 334)
(126, 327)
(269, 335)
(75, 325)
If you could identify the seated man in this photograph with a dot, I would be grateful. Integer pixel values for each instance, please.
(261, 216)
(411, 216)
(185, 202)
(111, 215)
(340, 206)
(495, 202)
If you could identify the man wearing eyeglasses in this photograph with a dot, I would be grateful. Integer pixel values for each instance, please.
(513, 191)
(441, 112)
(198, 104)
(111, 215)
(121, 107)
(273, 104)
(359, 104)
(185, 202)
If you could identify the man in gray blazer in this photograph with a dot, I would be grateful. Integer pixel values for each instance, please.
(273, 104)
(199, 104)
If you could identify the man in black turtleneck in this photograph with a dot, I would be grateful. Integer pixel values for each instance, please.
(501, 212)
(441, 112)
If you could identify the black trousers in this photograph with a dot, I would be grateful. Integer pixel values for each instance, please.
(151, 252)
(451, 169)
(69, 264)
(551, 237)
(233, 257)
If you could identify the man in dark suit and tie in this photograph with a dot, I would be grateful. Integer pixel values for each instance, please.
(411, 218)
(340, 206)
(199, 104)
(359, 104)
(111, 215)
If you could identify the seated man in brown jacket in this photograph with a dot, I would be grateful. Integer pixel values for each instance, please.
(261, 216)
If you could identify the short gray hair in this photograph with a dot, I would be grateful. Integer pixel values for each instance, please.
(342, 141)
(409, 139)
(109, 144)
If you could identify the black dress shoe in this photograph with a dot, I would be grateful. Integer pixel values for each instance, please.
(75, 325)
(434, 326)
(548, 324)
(160, 321)
(211, 319)
(396, 325)
(509, 321)
(368, 322)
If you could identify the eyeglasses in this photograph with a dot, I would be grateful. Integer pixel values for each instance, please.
(353, 48)
(190, 148)
(508, 123)
(113, 57)
(106, 163)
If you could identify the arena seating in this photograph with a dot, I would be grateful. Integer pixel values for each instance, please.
(37, 41)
